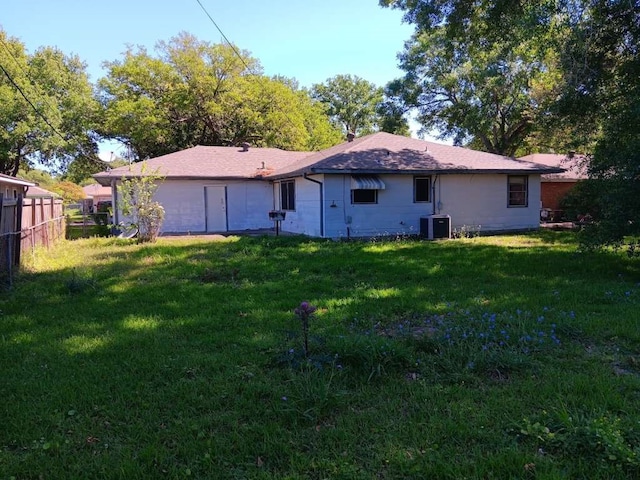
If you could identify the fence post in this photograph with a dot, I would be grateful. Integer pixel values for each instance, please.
(4, 242)
(18, 236)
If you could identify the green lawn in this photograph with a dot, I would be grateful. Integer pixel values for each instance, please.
(493, 357)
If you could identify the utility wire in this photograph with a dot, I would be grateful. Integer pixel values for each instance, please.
(235, 50)
(26, 74)
(42, 95)
(40, 114)
(233, 47)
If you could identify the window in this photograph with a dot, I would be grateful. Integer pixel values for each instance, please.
(288, 195)
(421, 189)
(364, 196)
(518, 190)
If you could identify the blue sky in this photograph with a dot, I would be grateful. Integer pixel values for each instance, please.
(310, 40)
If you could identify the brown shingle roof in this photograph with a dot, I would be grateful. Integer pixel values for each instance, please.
(204, 162)
(387, 153)
(96, 190)
(574, 166)
(38, 192)
(376, 153)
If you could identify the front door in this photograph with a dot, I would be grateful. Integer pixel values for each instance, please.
(216, 208)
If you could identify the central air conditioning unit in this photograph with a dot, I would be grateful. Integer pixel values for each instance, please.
(434, 227)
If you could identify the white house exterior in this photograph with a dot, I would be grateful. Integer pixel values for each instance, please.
(209, 189)
(215, 206)
(477, 202)
(412, 179)
(12, 187)
(381, 184)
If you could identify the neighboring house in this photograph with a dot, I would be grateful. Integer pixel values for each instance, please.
(37, 192)
(555, 186)
(11, 187)
(380, 184)
(97, 192)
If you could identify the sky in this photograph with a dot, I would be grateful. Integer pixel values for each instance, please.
(309, 40)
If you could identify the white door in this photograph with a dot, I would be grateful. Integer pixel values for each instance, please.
(216, 208)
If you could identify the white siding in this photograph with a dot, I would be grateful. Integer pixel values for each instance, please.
(480, 201)
(248, 205)
(395, 212)
(470, 200)
(183, 203)
(305, 219)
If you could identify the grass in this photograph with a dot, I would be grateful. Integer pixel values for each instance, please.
(494, 357)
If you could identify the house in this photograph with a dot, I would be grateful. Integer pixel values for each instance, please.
(210, 189)
(97, 193)
(555, 186)
(374, 185)
(11, 187)
(38, 192)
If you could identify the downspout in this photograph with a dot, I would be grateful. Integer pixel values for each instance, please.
(433, 194)
(114, 201)
(321, 202)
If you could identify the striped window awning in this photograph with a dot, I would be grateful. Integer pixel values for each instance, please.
(366, 182)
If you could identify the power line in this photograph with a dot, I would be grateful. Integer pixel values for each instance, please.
(42, 95)
(235, 50)
(40, 114)
(26, 74)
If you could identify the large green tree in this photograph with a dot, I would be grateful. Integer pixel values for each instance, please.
(474, 86)
(358, 106)
(602, 61)
(47, 109)
(595, 47)
(193, 92)
(493, 95)
(351, 103)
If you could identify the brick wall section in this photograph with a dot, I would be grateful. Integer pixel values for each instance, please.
(553, 192)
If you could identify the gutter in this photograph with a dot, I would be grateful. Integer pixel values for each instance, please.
(433, 194)
(114, 201)
(321, 202)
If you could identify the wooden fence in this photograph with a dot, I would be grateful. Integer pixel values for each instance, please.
(24, 225)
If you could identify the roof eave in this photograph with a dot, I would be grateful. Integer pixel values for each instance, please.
(417, 171)
(105, 180)
(16, 181)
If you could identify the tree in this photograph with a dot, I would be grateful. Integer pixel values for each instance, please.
(391, 114)
(69, 191)
(476, 89)
(595, 84)
(47, 109)
(41, 177)
(80, 170)
(137, 204)
(602, 62)
(351, 103)
(194, 92)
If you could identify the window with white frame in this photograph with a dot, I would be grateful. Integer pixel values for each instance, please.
(518, 190)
